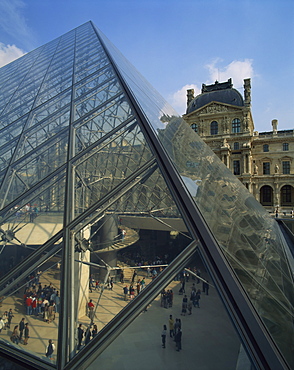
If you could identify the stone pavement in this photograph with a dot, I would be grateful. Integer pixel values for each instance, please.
(208, 342)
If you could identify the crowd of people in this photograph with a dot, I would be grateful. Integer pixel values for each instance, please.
(40, 301)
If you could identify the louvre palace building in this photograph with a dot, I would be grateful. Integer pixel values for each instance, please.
(262, 161)
(103, 185)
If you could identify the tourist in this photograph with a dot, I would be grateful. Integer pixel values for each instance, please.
(50, 349)
(15, 338)
(91, 310)
(80, 336)
(178, 339)
(10, 316)
(126, 291)
(163, 336)
(21, 328)
(171, 326)
(26, 333)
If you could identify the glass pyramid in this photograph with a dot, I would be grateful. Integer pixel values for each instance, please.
(89, 152)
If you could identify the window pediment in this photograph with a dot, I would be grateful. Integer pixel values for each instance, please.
(266, 159)
(285, 158)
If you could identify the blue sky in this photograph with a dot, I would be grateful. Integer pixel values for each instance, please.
(177, 44)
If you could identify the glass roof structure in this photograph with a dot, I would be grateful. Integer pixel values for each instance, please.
(88, 147)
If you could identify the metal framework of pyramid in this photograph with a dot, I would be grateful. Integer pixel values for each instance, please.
(84, 137)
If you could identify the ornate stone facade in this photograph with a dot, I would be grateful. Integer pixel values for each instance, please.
(263, 162)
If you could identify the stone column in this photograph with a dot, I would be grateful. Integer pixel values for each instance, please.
(82, 274)
(108, 236)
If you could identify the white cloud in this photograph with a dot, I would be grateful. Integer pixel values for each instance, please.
(237, 70)
(14, 23)
(178, 100)
(8, 53)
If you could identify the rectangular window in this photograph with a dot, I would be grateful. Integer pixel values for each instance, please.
(285, 147)
(266, 168)
(236, 146)
(286, 167)
(194, 127)
(236, 166)
(265, 148)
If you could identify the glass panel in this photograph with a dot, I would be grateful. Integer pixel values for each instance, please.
(126, 237)
(43, 131)
(161, 311)
(103, 168)
(96, 97)
(248, 236)
(32, 306)
(100, 122)
(32, 169)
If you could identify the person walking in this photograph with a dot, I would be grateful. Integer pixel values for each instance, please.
(46, 313)
(176, 327)
(80, 335)
(205, 287)
(121, 279)
(21, 328)
(126, 292)
(91, 311)
(5, 320)
(134, 276)
(26, 333)
(178, 339)
(29, 302)
(51, 313)
(57, 302)
(94, 331)
(15, 335)
(184, 306)
(132, 292)
(171, 326)
(163, 336)
(138, 286)
(88, 335)
(10, 316)
(197, 298)
(190, 307)
(50, 349)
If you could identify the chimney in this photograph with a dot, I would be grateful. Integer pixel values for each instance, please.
(247, 92)
(190, 96)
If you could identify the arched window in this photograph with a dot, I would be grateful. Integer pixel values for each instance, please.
(213, 128)
(236, 125)
(266, 196)
(194, 127)
(286, 195)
